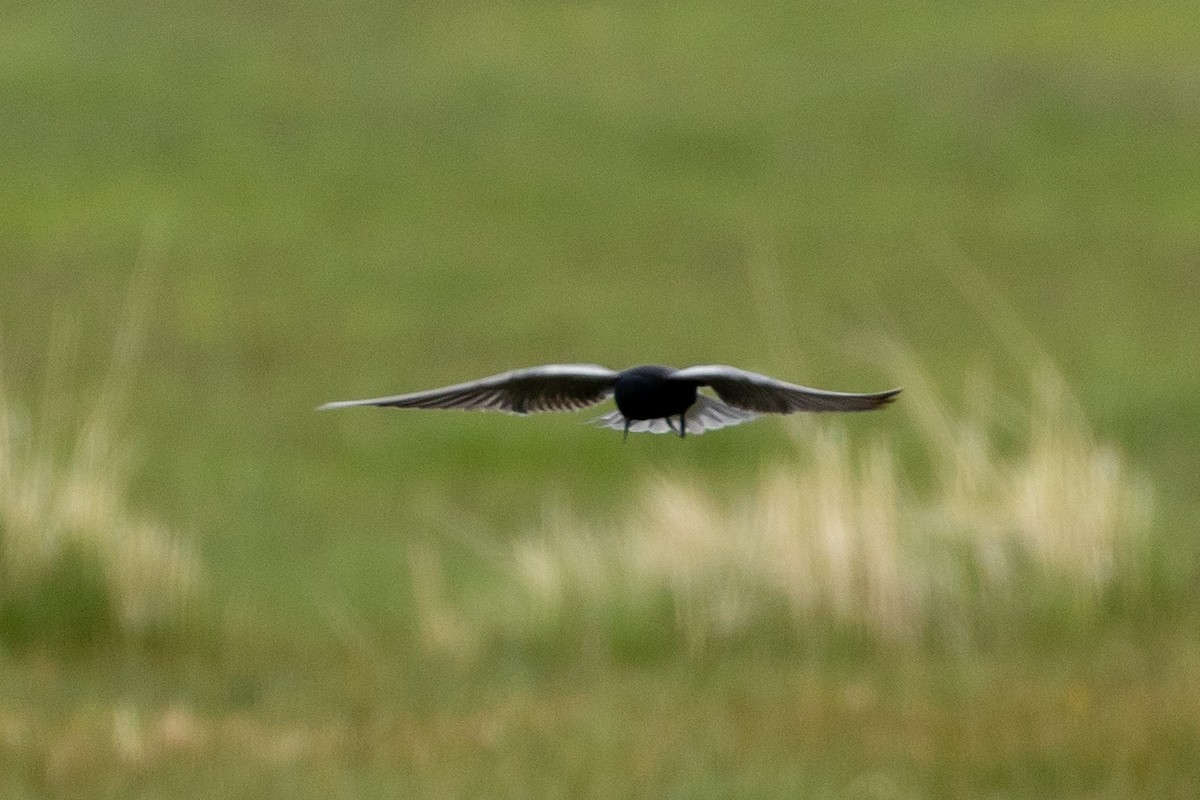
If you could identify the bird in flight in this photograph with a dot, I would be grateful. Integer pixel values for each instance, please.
(650, 399)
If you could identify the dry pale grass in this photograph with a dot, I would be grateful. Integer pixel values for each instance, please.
(1019, 502)
(64, 488)
(50, 507)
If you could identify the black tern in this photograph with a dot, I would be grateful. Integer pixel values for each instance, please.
(649, 399)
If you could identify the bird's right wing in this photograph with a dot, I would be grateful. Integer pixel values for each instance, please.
(554, 387)
(761, 393)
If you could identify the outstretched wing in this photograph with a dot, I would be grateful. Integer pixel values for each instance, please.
(766, 395)
(554, 387)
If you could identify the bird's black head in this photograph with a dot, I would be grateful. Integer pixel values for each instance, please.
(648, 371)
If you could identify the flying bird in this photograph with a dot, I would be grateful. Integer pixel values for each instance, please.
(650, 399)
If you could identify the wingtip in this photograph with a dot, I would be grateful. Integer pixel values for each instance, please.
(337, 404)
(890, 395)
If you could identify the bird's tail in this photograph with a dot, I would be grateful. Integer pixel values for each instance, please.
(710, 414)
(706, 414)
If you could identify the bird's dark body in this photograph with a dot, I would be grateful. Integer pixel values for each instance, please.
(651, 393)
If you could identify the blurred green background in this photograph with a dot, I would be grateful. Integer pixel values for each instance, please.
(334, 201)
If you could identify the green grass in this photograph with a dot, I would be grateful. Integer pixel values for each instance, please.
(1025, 723)
(361, 199)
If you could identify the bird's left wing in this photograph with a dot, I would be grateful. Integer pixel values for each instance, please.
(553, 387)
(754, 392)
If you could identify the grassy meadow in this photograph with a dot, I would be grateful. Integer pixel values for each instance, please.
(218, 216)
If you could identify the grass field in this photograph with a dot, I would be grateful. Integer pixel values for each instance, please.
(217, 217)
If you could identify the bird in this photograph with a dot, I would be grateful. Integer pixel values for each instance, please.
(649, 399)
